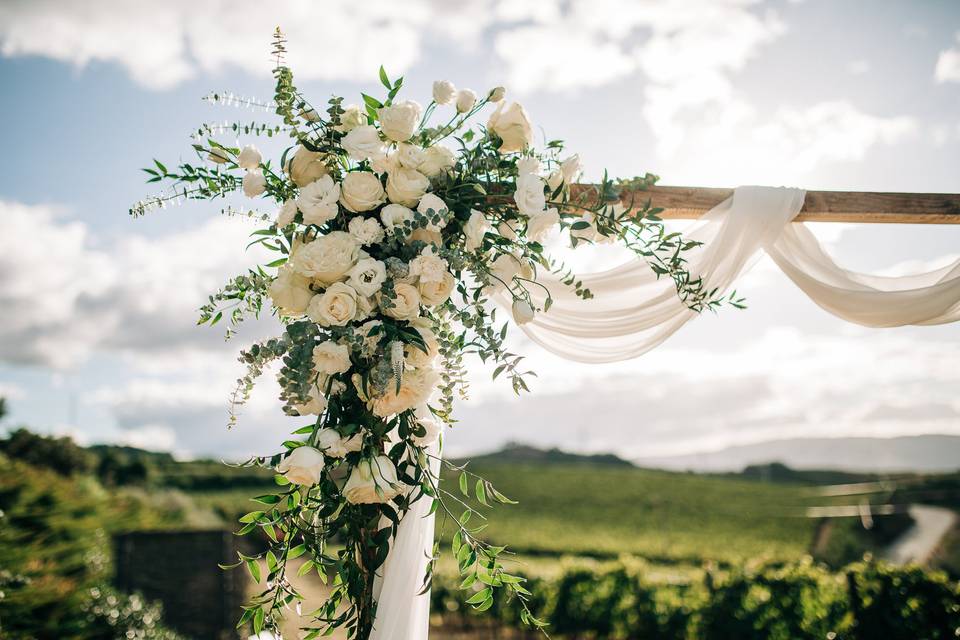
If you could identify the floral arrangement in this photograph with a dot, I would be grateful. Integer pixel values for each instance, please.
(391, 236)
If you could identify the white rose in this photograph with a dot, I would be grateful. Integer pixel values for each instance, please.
(351, 118)
(428, 266)
(372, 481)
(305, 166)
(254, 183)
(336, 306)
(399, 121)
(416, 386)
(315, 405)
(434, 293)
(370, 342)
(436, 160)
(503, 270)
(394, 215)
(432, 202)
(405, 305)
(366, 230)
(363, 143)
(571, 168)
(406, 186)
(290, 292)
(318, 201)
(590, 233)
(331, 357)
(249, 158)
(367, 276)
(384, 164)
(497, 94)
(522, 311)
(335, 445)
(528, 164)
(361, 191)
(476, 227)
(287, 213)
(466, 99)
(443, 91)
(512, 126)
(508, 230)
(416, 357)
(555, 180)
(304, 465)
(328, 258)
(409, 156)
(430, 425)
(540, 224)
(529, 195)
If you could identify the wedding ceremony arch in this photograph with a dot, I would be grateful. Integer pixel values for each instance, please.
(394, 241)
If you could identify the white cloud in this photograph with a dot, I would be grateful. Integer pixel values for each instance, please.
(65, 296)
(948, 65)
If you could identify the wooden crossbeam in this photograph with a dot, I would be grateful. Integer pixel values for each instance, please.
(688, 203)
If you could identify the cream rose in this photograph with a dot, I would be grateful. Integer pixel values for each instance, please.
(399, 121)
(318, 201)
(351, 118)
(529, 195)
(330, 357)
(466, 99)
(249, 158)
(366, 230)
(476, 227)
(503, 270)
(497, 94)
(336, 306)
(303, 465)
(254, 183)
(305, 166)
(406, 186)
(409, 156)
(522, 311)
(363, 143)
(394, 215)
(367, 276)
(416, 386)
(540, 224)
(328, 258)
(443, 92)
(290, 292)
(528, 164)
(428, 266)
(336, 446)
(512, 126)
(405, 305)
(361, 191)
(434, 293)
(418, 358)
(372, 481)
(437, 160)
(287, 213)
(315, 405)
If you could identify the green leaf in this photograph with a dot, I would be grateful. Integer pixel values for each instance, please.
(480, 596)
(254, 568)
(463, 484)
(296, 551)
(384, 79)
(481, 493)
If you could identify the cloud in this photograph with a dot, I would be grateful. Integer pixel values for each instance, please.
(948, 65)
(65, 296)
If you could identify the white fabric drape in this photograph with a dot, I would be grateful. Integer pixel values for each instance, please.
(633, 311)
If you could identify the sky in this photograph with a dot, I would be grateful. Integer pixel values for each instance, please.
(98, 335)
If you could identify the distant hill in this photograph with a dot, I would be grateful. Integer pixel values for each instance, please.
(925, 454)
(517, 452)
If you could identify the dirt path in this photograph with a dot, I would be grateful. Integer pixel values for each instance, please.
(919, 542)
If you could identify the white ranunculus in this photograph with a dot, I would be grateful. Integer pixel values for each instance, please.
(367, 276)
(318, 201)
(529, 195)
(522, 311)
(512, 126)
(328, 258)
(287, 213)
(315, 405)
(335, 307)
(367, 231)
(304, 465)
(428, 266)
(540, 224)
(405, 304)
(466, 99)
(497, 94)
(476, 227)
(434, 293)
(443, 92)
(351, 118)
(218, 156)
(528, 164)
(363, 143)
(429, 423)
(249, 158)
(290, 292)
(394, 215)
(336, 446)
(331, 357)
(416, 357)
(361, 191)
(400, 120)
(406, 186)
(437, 160)
(503, 270)
(416, 386)
(409, 156)
(254, 183)
(372, 481)
(305, 166)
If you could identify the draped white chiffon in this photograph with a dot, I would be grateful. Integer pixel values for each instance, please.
(633, 311)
